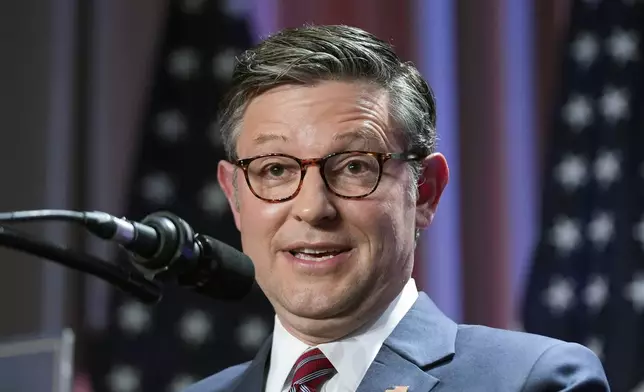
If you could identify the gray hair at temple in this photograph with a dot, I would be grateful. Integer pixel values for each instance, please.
(312, 54)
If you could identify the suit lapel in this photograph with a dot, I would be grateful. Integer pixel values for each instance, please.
(389, 370)
(424, 339)
(254, 377)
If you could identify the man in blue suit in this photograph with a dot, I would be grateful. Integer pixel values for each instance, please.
(332, 174)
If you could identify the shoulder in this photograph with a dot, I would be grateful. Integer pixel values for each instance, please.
(502, 340)
(537, 361)
(220, 381)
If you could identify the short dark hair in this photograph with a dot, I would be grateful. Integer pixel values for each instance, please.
(311, 54)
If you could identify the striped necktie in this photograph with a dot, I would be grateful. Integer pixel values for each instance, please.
(312, 369)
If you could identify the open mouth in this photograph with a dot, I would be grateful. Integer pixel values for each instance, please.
(317, 254)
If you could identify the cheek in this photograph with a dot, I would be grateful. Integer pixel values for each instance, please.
(392, 223)
(378, 221)
(259, 223)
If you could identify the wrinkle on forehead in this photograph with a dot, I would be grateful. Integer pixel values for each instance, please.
(292, 114)
(368, 136)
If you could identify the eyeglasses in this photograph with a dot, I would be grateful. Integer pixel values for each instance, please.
(349, 174)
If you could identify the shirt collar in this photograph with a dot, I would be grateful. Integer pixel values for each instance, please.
(351, 356)
(285, 351)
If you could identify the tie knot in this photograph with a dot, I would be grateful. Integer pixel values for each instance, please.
(311, 370)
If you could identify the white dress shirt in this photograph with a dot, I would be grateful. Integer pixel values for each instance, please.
(350, 356)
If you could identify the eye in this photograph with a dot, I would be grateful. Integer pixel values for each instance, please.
(359, 165)
(274, 169)
(352, 164)
(355, 166)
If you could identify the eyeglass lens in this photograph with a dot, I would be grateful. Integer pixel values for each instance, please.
(350, 174)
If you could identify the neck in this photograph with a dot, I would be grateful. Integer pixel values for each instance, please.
(314, 332)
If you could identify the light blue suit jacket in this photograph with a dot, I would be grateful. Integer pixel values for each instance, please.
(429, 352)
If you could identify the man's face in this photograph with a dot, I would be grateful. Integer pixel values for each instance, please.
(374, 235)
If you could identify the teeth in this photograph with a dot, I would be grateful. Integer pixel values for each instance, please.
(305, 256)
(316, 254)
(315, 251)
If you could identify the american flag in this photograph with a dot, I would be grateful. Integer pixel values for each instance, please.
(587, 279)
(186, 337)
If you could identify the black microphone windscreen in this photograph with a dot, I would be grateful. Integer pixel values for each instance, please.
(233, 273)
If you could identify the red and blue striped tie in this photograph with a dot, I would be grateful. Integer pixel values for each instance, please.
(311, 370)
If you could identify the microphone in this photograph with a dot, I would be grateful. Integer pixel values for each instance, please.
(165, 248)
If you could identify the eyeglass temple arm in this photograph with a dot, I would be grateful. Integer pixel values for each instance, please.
(414, 155)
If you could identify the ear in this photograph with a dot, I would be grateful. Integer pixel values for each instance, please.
(431, 183)
(226, 177)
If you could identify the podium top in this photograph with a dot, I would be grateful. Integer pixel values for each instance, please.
(38, 364)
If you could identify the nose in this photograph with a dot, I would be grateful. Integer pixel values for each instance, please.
(312, 204)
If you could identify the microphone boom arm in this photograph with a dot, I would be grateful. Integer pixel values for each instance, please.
(163, 248)
(129, 282)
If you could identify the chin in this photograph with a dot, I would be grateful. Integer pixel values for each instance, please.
(310, 304)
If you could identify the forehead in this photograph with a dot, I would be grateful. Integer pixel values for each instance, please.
(327, 113)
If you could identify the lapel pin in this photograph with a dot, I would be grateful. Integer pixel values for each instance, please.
(398, 389)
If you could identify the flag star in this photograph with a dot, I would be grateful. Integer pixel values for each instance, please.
(571, 172)
(171, 125)
(596, 293)
(192, 6)
(133, 317)
(157, 188)
(638, 232)
(183, 63)
(639, 387)
(585, 49)
(124, 378)
(578, 112)
(251, 333)
(607, 168)
(181, 382)
(600, 229)
(565, 235)
(224, 63)
(213, 199)
(614, 104)
(622, 45)
(596, 345)
(559, 295)
(634, 291)
(195, 327)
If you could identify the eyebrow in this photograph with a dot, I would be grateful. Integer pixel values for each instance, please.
(264, 138)
(359, 133)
